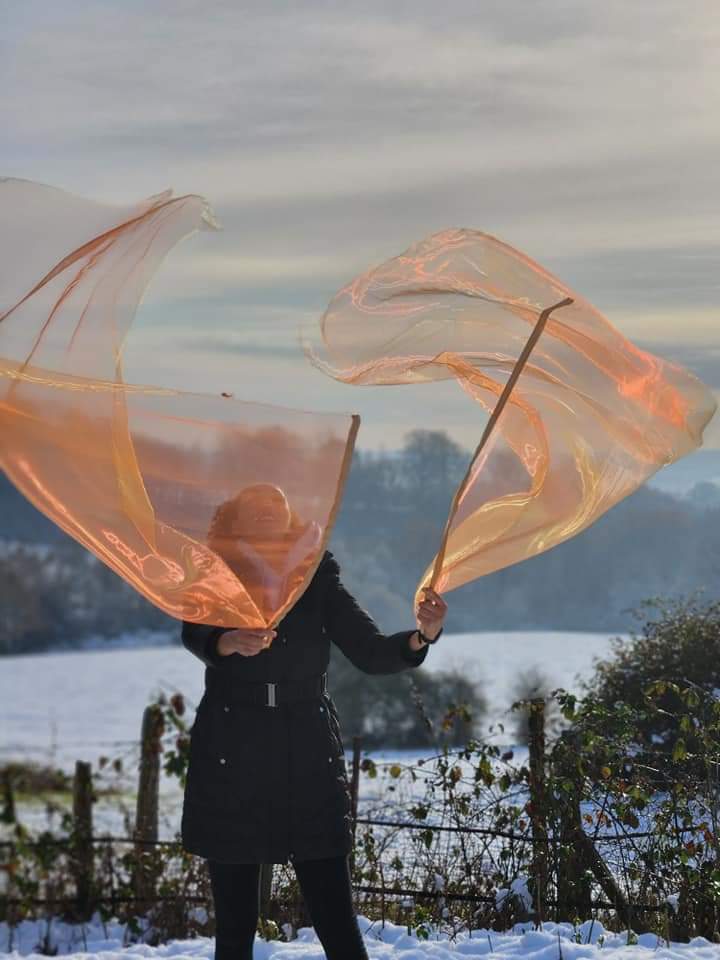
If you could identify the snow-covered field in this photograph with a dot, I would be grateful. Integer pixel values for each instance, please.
(62, 707)
(80, 705)
(552, 942)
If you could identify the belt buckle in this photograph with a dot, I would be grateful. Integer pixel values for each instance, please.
(271, 701)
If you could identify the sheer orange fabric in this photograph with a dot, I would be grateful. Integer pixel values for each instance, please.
(589, 419)
(215, 509)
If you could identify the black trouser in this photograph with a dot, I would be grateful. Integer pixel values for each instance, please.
(326, 889)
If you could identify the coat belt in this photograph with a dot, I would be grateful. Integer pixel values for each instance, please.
(274, 693)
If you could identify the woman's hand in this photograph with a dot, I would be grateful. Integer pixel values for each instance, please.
(430, 613)
(245, 640)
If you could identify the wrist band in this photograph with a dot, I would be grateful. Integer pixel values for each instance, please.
(427, 639)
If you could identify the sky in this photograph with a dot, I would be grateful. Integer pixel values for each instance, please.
(328, 137)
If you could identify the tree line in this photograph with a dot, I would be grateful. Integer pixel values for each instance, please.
(53, 593)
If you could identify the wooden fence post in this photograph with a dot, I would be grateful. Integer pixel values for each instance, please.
(82, 861)
(574, 894)
(265, 890)
(146, 816)
(604, 877)
(8, 812)
(354, 792)
(538, 803)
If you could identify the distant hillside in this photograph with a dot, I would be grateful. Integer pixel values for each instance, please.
(652, 544)
(703, 466)
(21, 521)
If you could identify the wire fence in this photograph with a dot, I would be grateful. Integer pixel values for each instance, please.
(587, 868)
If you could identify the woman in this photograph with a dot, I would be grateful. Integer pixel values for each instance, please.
(267, 780)
(264, 542)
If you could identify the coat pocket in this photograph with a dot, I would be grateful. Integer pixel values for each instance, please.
(333, 721)
(338, 767)
(211, 775)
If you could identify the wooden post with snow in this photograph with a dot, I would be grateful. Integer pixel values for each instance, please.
(538, 804)
(265, 889)
(578, 852)
(82, 856)
(573, 888)
(8, 812)
(354, 791)
(146, 816)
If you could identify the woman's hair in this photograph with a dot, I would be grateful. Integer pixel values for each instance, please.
(224, 514)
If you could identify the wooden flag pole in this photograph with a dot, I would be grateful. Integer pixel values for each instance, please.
(490, 426)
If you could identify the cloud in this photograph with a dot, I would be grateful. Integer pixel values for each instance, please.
(572, 128)
(329, 137)
(703, 360)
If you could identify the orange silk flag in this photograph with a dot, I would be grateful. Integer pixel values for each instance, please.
(215, 509)
(580, 417)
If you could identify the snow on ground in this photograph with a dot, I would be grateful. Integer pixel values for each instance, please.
(80, 705)
(552, 942)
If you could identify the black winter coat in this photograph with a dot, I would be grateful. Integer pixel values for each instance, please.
(268, 784)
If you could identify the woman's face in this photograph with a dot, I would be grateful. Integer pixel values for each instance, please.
(261, 510)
